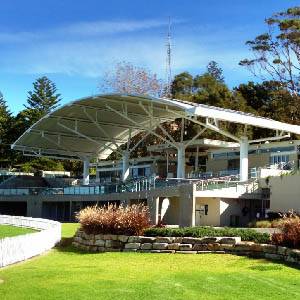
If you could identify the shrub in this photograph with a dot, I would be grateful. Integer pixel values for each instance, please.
(123, 220)
(290, 232)
(260, 224)
(207, 231)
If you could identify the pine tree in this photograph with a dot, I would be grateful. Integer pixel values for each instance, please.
(215, 71)
(42, 100)
(5, 119)
(5, 136)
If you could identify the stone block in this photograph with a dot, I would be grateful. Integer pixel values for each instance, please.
(167, 251)
(162, 251)
(213, 247)
(200, 247)
(130, 250)
(208, 240)
(173, 246)
(93, 248)
(147, 239)
(256, 254)
(100, 243)
(77, 239)
(294, 253)
(134, 239)
(112, 237)
(113, 244)
(273, 256)
(132, 246)
(99, 237)
(101, 249)
(226, 247)
(269, 248)
(146, 246)
(186, 252)
(191, 240)
(244, 253)
(290, 259)
(185, 247)
(282, 250)
(204, 252)
(123, 238)
(88, 236)
(88, 242)
(160, 246)
(164, 239)
(178, 239)
(256, 248)
(243, 246)
(113, 250)
(229, 240)
(79, 233)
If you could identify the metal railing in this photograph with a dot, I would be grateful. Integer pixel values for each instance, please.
(216, 184)
(137, 185)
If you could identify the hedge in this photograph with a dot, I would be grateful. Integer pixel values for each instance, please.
(206, 231)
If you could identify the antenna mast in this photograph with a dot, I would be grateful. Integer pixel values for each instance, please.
(168, 61)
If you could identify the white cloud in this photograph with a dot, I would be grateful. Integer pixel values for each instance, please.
(91, 47)
(110, 27)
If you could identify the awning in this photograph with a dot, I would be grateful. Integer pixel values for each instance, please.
(96, 126)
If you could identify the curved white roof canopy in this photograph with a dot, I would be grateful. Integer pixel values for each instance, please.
(97, 125)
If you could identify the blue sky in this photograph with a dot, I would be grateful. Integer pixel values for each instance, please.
(75, 42)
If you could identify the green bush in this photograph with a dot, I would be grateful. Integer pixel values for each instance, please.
(206, 231)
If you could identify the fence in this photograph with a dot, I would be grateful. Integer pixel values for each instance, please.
(22, 247)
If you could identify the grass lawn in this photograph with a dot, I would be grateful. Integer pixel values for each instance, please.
(66, 273)
(8, 231)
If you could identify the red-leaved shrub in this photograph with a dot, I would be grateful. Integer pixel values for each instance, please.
(123, 220)
(289, 234)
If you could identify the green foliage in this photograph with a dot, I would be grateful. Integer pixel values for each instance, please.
(44, 164)
(206, 231)
(277, 52)
(43, 99)
(215, 71)
(6, 121)
(270, 99)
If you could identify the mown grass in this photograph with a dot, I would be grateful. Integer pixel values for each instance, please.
(9, 231)
(65, 273)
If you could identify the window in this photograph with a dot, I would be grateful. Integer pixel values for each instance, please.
(278, 159)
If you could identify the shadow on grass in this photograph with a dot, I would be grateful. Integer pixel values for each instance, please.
(275, 266)
(65, 245)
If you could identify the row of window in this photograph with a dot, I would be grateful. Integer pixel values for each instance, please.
(225, 155)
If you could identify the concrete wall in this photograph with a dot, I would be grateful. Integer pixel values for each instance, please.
(173, 212)
(213, 215)
(234, 207)
(22, 247)
(285, 193)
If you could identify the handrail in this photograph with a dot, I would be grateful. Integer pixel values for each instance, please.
(137, 185)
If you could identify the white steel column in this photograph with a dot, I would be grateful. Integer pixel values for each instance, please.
(244, 145)
(181, 161)
(125, 165)
(197, 159)
(86, 172)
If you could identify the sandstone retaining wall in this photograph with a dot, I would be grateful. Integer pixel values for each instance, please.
(184, 245)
